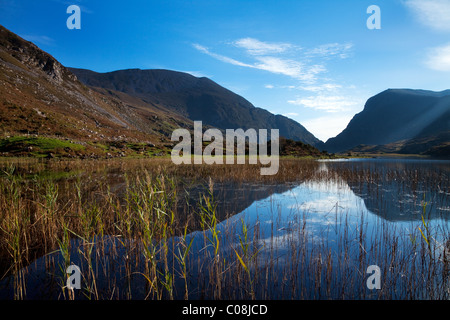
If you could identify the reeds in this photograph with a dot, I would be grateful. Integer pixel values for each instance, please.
(134, 235)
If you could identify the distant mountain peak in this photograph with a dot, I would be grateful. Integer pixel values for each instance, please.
(42, 97)
(421, 92)
(30, 55)
(195, 98)
(397, 117)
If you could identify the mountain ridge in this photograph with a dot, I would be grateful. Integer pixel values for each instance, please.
(46, 111)
(195, 98)
(136, 110)
(397, 116)
(42, 99)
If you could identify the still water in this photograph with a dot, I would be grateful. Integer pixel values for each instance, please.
(386, 214)
(313, 239)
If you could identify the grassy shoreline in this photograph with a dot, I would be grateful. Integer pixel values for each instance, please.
(137, 237)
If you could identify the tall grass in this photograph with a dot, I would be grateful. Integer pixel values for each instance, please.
(135, 235)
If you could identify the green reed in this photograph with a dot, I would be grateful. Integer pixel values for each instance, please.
(136, 235)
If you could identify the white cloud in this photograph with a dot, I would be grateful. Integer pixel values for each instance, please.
(439, 58)
(286, 59)
(220, 57)
(271, 86)
(256, 47)
(432, 13)
(326, 103)
(329, 50)
(321, 88)
(278, 65)
(288, 67)
(317, 206)
(273, 64)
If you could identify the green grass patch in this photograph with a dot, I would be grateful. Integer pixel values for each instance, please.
(137, 146)
(101, 146)
(54, 175)
(37, 145)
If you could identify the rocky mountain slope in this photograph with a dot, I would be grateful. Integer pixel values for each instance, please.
(46, 111)
(399, 121)
(196, 99)
(42, 98)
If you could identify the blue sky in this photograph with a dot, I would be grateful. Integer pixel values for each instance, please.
(314, 61)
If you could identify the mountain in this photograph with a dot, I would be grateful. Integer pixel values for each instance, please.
(45, 110)
(44, 107)
(399, 121)
(194, 98)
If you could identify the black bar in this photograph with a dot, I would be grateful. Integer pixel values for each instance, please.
(224, 309)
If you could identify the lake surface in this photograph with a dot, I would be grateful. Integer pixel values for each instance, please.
(344, 217)
(311, 239)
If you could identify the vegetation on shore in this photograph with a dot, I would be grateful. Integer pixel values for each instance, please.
(133, 237)
(56, 147)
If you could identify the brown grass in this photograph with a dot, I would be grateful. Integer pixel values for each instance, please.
(127, 225)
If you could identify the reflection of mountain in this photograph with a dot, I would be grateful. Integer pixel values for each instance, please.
(234, 197)
(230, 198)
(389, 201)
(283, 222)
(395, 199)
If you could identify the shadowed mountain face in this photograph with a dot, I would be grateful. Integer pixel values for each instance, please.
(402, 120)
(45, 109)
(196, 99)
(41, 97)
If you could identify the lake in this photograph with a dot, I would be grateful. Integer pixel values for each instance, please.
(313, 234)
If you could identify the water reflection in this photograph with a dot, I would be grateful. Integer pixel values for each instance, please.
(403, 190)
(311, 239)
(343, 217)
